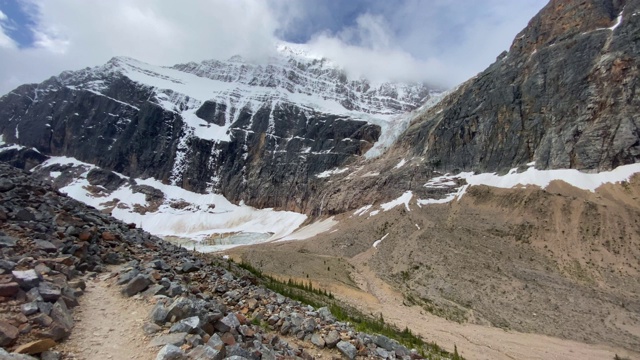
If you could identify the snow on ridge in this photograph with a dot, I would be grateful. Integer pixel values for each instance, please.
(532, 176)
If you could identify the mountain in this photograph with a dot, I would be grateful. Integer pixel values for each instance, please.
(258, 133)
(563, 97)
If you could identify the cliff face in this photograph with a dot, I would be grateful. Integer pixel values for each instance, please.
(258, 133)
(564, 96)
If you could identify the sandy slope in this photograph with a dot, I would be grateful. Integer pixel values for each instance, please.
(473, 341)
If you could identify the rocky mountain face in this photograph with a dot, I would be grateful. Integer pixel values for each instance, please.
(258, 133)
(564, 96)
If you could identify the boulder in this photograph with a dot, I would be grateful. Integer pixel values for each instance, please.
(347, 349)
(8, 333)
(137, 284)
(176, 339)
(317, 340)
(188, 325)
(7, 242)
(27, 278)
(332, 339)
(9, 289)
(171, 352)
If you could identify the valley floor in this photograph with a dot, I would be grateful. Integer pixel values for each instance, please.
(473, 341)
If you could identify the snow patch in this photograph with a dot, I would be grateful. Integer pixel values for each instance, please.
(377, 242)
(2, 140)
(327, 173)
(363, 210)
(401, 164)
(532, 176)
(403, 199)
(618, 22)
(12, 147)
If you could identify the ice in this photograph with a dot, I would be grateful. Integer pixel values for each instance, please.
(403, 199)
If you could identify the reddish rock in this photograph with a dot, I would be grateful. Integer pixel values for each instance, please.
(242, 319)
(228, 339)
(84, 236)
(108, 236)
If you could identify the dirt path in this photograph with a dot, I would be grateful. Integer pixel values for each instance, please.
(473, 341)
(108, 326)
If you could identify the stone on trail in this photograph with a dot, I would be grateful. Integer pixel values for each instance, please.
(317, 340)
(137, 284)
(35, 347)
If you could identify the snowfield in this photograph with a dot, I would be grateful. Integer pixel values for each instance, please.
(207, 216)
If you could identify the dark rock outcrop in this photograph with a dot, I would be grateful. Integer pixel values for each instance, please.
(564, 96)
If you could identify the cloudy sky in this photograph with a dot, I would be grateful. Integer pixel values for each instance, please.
(443, 42)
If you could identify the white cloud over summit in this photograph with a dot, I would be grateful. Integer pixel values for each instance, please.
(439, 41)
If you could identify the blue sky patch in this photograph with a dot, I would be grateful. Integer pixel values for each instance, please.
(19, 22)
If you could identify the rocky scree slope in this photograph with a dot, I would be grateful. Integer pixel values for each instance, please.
(258, 133)
(51, 244)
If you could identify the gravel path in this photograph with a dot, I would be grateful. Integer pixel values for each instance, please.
(108, 325)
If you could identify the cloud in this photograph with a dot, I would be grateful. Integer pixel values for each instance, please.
(438, 41)
(5, 41)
